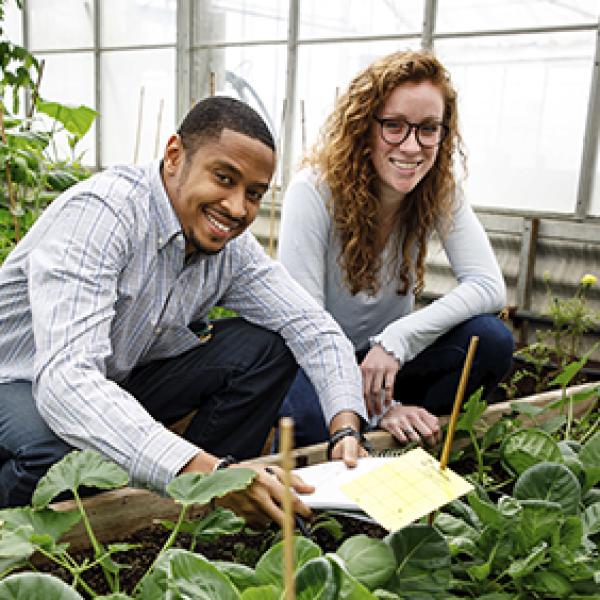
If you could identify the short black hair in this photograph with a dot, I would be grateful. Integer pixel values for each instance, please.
(207, 119)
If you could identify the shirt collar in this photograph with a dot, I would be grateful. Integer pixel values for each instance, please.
(167, 223)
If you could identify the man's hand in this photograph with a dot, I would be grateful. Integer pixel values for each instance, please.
(378, 370)
(412, 423)
(349, 450)
(262, 501)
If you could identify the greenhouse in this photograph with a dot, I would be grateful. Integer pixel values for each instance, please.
(300, 299)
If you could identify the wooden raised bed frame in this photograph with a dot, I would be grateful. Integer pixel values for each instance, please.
(118, 513)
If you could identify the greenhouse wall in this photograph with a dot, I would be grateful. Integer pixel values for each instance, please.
(527, 73)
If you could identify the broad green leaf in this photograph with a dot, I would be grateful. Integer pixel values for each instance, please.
(527, 408)
(315, 580)
(369, 560)
(386, 595)
(15, 544)
(482, 570)
(348, 588)
(262, 592)
(217, 523)
(589, 455)
(269, 568)
(461, 509)
(36, 586)
(240, 575)
(115, 596)
(550, 583)
(196, 488)
(473, 409)
(566, 375)
(153, 584)
(539, 519)
(550, 481)
(44, 522)
(79, 468)
(591, 519)
(522, 449)
(487, 512)
(525, 566)
(571, 532)
(422, 560)
(591, 497)
(76, 119)
(461, 537)
(193, 576)
(60, 179)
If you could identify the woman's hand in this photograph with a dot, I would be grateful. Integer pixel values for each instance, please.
(262, 501)
(412, 423)
(378, 369)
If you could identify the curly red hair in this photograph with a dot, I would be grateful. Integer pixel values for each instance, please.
(342, 155)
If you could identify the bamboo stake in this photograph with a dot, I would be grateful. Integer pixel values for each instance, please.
(286, 431)
(36, 89)
(9, 184)
(271, 248)
(460, 392)
(213, 83)
(158, 126)
(138, 133)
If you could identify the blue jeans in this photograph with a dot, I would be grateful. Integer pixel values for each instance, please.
(428, 380)
(236, 383)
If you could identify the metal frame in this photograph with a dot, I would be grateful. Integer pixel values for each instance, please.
(185, 85)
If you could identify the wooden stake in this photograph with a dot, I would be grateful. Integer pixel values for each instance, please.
(286, 432)
(213, 83)
(460, 392)
(158, 126)
(138, 133)
(9, 183)
(271, 248)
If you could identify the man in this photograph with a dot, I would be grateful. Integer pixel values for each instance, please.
(100, 306)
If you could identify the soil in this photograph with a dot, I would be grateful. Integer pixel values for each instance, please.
(245, 548)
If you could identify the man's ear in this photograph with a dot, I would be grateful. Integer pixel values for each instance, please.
(174, 155)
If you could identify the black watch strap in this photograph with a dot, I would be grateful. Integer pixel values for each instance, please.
(340, 434)
(225, 462)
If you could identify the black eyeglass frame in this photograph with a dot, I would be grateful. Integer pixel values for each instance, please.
(411, 126)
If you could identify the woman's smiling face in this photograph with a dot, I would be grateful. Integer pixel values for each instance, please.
(216, 193)
(401, 167)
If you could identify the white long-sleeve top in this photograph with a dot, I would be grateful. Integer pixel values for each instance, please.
(309, 250)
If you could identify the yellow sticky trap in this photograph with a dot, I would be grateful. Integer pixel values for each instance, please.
(405, 489)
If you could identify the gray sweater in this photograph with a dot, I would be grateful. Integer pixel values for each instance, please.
(309, 250)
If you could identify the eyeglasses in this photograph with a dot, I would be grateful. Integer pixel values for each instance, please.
(397, 130)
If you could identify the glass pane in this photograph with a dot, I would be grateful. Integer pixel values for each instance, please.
(57, 24)
(137, 83)
(475, 15)
(254, 74)
(357, 17)
(325, 70)
(137, 22)
(521, 120)
(69, 78)
(13, 23)
(239, 21)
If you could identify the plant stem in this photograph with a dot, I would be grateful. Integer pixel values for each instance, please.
(569, 412)
(478, 455)
(165, 547)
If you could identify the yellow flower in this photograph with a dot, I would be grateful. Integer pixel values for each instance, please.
(588, 280)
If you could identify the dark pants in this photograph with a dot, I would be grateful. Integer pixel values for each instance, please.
(236, 382)
(429, 380)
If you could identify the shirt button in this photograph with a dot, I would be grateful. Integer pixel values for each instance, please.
(160, 241)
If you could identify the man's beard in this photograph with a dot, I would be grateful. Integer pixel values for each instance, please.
(198, 247)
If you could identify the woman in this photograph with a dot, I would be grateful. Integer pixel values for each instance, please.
(355, 226)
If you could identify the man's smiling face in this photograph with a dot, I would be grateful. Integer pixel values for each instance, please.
(216, 193)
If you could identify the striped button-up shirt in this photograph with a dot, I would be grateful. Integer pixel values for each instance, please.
(100, 285)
